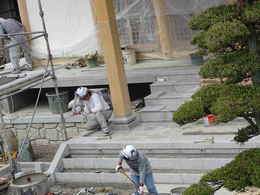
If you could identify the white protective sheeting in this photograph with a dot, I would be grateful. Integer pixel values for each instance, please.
(70, 26)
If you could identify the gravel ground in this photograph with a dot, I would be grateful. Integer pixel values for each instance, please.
(97, 190)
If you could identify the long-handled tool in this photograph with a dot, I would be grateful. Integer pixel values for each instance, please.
(123, 172)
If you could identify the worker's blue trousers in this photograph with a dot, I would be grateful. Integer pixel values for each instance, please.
(148, 182)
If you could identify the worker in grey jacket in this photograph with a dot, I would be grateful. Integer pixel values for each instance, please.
(12, 26)
(140, 169)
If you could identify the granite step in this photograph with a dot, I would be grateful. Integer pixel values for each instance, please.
(167, 98)
(172, 86)
(117, 178)
(173, 165)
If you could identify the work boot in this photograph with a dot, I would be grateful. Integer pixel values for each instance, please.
(27, 67)
(106, 131)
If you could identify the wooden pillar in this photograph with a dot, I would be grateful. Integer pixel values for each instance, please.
(163, 28)
(24, 15)
(106, 25)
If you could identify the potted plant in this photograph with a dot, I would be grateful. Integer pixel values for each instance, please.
(92, 59)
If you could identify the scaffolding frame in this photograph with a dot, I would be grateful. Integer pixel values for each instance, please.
(46, 76)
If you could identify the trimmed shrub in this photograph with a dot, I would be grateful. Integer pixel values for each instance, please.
(243, 171)
(199, 189)
(223, 34)
(244, 134)
(189, 112)
(212, 16)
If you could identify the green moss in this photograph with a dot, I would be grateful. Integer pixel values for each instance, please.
(189, 112)
(199, 189)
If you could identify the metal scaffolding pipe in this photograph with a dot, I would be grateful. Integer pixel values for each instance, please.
(21, 33)
(19, 43)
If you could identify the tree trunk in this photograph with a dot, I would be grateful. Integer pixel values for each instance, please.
(252, 44)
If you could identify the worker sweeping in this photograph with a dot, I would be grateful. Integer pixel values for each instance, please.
(140, 169)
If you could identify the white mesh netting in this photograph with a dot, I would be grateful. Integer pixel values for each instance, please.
(72, 30)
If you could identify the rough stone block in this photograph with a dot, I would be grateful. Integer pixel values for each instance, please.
(21, 126)
(81, 125)
(51, 126)
(71, 132)
(42, 133)
(37, 126)
(34, 134)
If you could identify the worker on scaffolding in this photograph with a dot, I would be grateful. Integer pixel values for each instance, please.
(9, 27)
(140, 169)
(93, 106)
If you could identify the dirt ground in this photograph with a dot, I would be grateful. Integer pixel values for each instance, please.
(97, 190)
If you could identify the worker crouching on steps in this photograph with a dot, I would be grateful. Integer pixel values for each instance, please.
(93, 106)
(140, 169)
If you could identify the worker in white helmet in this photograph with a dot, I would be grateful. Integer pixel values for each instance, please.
(93, 106)
(140, 169)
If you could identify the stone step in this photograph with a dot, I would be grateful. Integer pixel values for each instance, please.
(117, 178)
(156, 113)
(167, 98)
(166, 164)
(194, 147)
(172, 86)
(181, 77)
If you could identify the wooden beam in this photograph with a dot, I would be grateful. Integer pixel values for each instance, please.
(24, 15)
(163, 28)
(118, 85)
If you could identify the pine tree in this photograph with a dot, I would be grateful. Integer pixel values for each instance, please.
(228, 35)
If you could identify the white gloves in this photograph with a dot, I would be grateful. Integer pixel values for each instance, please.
(141, 189)
(118, 167)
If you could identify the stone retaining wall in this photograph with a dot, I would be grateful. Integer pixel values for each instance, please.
(47, 133)
(46, 138)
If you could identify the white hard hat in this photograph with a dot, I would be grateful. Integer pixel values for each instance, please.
(82, 91)
(130, 152)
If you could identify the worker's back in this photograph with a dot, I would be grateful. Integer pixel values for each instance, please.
(11, 26)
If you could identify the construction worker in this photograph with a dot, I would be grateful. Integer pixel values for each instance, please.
(140, 169)
(12, 26)
(93, 106)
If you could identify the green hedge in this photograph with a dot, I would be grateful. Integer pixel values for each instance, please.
(189, 112)
(199, 189)
(243, 171)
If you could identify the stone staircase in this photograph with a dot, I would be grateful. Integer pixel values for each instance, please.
(168, 92)
(91, 160)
